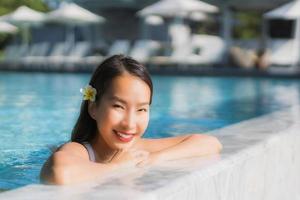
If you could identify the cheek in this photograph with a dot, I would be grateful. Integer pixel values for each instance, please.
(111, 116)
(144, 120)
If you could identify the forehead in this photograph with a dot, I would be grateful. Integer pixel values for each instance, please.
(129, 88)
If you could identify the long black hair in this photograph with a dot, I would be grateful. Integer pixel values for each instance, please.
(85, 127)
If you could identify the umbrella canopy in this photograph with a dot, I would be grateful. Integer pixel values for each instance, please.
(171, 8)
(199, 16)
(288, 11)
(154, 20)
(24, 15)
(7, 28)
(71, 13)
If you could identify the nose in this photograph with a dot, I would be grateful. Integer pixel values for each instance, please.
(129, 121)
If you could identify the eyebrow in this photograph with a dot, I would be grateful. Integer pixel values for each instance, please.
(115, 98)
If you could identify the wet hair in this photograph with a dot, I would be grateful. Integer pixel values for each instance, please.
(85, 128)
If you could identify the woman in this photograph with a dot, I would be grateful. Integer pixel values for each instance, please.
(108, 133)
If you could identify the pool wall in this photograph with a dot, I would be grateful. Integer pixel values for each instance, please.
(260, 160)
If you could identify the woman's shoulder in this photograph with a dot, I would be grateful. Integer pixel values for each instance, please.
(74, 148)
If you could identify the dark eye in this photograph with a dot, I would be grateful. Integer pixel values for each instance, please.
(117, 106)
(143, 110)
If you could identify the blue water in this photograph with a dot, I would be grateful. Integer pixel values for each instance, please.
(39, 110)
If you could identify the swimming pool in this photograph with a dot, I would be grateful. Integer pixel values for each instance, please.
(38, 110)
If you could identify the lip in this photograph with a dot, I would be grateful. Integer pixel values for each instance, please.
(127, 133)
(122, 139)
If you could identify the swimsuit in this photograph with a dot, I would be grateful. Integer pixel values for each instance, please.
(90, 150)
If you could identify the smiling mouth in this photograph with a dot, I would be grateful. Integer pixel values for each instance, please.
(124, 137)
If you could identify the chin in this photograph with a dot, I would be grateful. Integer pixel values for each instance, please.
(123, 146)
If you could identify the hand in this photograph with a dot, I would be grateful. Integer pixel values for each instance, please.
(152, 159)
(129, 158)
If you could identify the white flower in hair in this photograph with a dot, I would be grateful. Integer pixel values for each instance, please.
(89, 93)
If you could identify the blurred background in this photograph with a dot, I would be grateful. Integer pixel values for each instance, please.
(53, 35)
(203, 39)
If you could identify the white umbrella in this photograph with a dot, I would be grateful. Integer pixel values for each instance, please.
(171, 8)
(179, 32)
(7, 27)
(199, 16)
(290, 10)
(154, 20)
(72, 14)
(24, 17)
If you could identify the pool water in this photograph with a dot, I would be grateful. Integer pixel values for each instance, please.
(38, 110)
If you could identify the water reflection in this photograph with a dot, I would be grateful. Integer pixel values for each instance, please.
(201, 104)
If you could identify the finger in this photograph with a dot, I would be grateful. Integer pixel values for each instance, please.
(142, 157)
(142, 160)
(143, 163)
(140, 153)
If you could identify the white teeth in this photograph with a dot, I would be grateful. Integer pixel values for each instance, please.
(124, 135)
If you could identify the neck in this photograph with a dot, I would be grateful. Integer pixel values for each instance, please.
(103, 153)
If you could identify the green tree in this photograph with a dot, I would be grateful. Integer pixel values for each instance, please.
(248, 25)
(7, 6)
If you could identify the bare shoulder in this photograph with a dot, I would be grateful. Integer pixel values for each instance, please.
(67, 154)
(74, 148)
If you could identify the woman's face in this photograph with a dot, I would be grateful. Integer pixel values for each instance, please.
(122, 115)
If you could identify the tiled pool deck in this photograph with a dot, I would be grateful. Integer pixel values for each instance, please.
(260, 160)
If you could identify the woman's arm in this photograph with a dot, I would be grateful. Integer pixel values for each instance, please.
(65, 168)
(182, 147)
(69, 165)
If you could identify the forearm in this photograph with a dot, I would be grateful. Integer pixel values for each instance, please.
(192, 146)
(82, 173)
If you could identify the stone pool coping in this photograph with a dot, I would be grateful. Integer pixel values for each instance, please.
(260, 160)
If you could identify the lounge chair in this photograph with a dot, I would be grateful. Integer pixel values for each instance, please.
(97, 54)
(44, 60)
(36, 55)
(282, 52)
(37, 50)
(10, 52)
(59, 50)
(80, 50)
(13, 55)
(77, 55)
(200, 49)
(206, 49)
